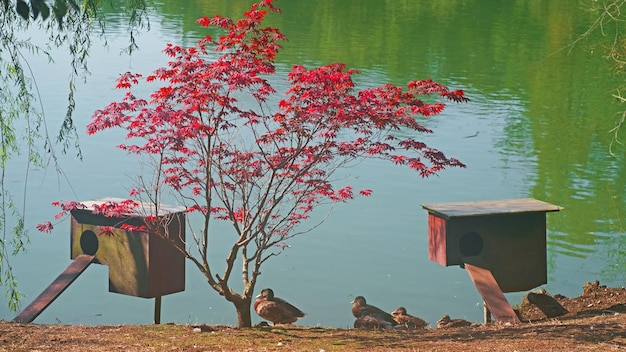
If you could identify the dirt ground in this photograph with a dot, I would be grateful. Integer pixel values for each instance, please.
(596, 320)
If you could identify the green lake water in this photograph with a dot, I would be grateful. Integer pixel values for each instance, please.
(537, 126)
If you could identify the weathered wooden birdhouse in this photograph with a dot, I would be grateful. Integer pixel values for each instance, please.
(507, 237)
(141, 263)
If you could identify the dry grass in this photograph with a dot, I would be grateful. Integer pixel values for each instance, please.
(597, 321)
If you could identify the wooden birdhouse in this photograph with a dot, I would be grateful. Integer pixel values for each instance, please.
(509, 236)
(501, 244)
(141, 263)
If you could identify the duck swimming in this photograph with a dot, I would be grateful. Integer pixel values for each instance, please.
(411, 322)
(275, 309)
(360, 306)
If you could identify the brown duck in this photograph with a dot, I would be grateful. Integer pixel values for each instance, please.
(546, 303)
(445, 322)
(360, 305)
(401, 317)
(275, 309)
(369, 321)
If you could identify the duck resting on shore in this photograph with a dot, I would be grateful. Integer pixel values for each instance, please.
(401, 317)
(360, 305)
(275, 309)
(445, 323)
(368, 321)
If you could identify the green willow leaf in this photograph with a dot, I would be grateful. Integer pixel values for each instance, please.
(22, 9)
(42, 7)
(60, 10)
(76, 22)
(34, 8)
(74, 5)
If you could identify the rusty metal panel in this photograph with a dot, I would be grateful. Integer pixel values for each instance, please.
(55, 289)
(489, 290)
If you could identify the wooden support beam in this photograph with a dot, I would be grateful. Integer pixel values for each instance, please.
(157, 310)
(489, 290)
(78, 265)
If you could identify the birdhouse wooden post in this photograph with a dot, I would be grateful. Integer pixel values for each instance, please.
(141, 263)
(500, 242)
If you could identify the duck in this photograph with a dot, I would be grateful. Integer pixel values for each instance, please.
(402, 318)
(368, 321)
(445, 322)
(275, 309)
(360, 305)
(546, 303)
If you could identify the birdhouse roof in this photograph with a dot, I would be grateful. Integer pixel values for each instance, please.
(489, 207)
(144, 208)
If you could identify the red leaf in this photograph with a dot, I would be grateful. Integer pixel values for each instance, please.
(45, 227)
(365, 192)
(107, 231)
(203, 21)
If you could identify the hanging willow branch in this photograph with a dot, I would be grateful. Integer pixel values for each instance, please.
(608, 22)
(68, 24)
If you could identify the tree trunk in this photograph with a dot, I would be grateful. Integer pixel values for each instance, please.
(244, 318)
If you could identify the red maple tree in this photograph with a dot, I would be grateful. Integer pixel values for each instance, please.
(225, 154)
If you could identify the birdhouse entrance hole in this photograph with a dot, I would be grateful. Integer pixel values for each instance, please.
(89, 242)
(471, 244)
